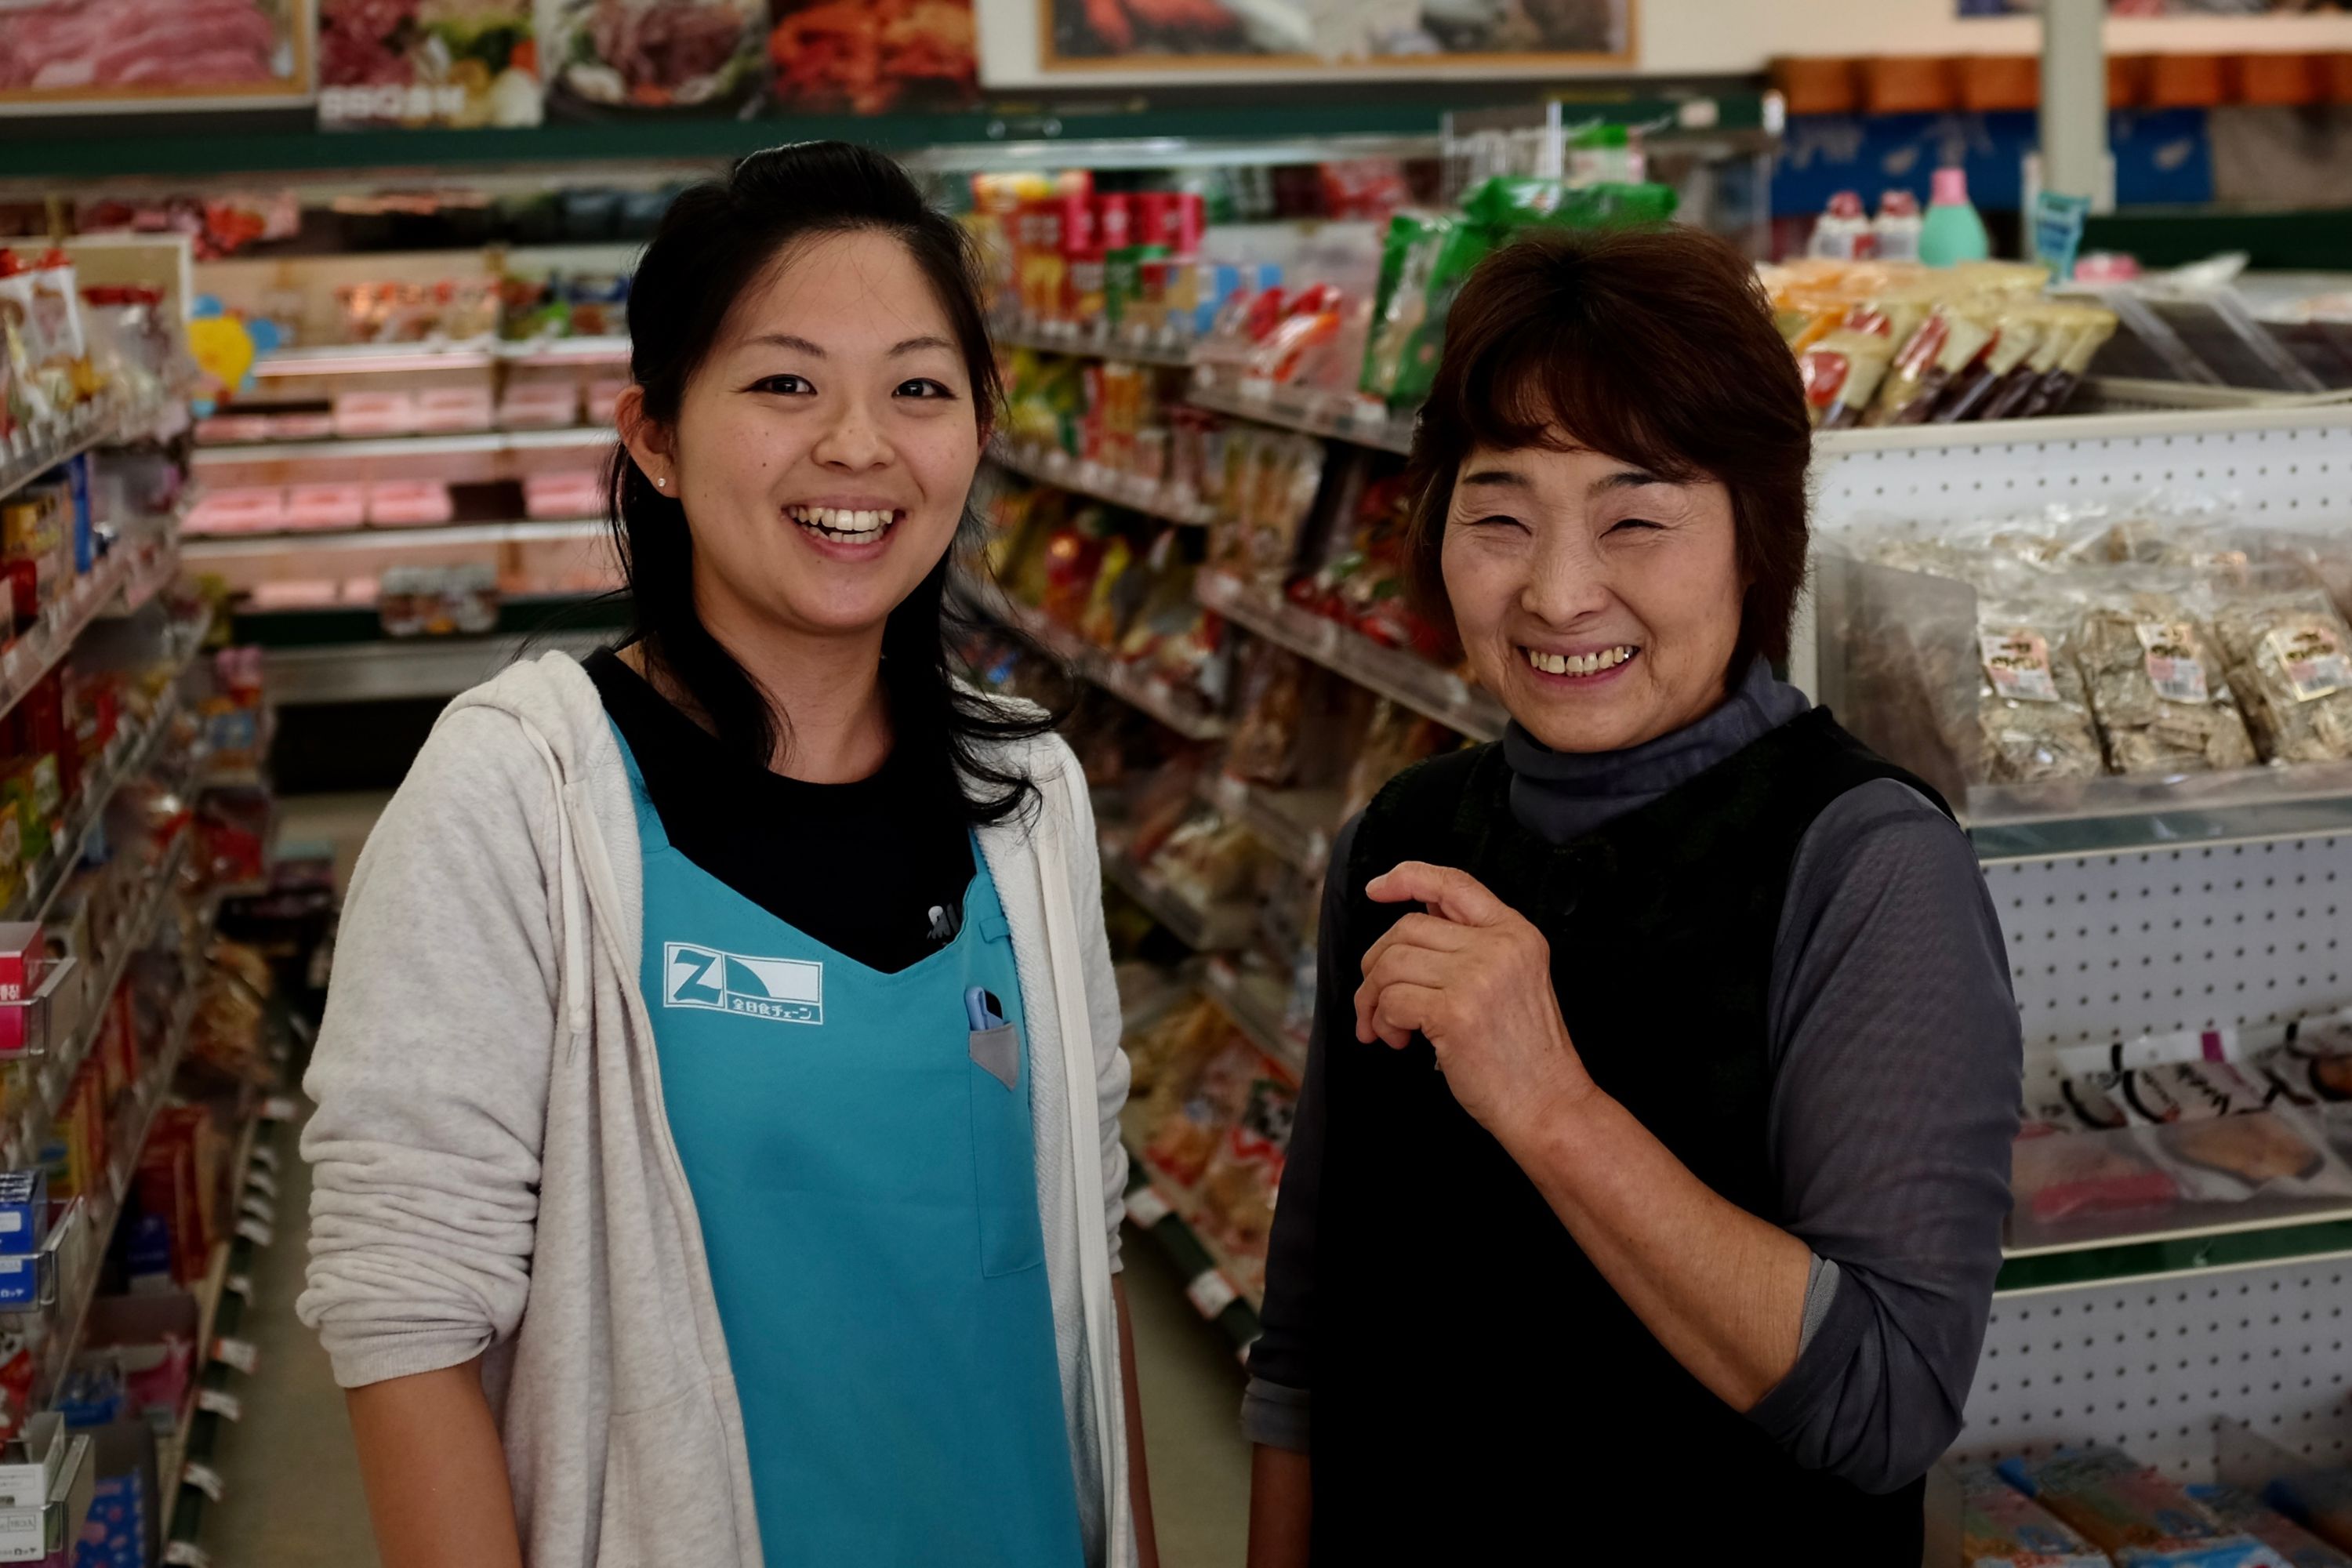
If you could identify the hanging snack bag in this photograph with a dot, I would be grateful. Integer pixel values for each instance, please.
(2157, 690)
(1426, 259)
(2289, 657)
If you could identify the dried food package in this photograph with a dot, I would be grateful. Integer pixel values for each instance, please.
(2289, 656)
(2001, 1527)
(2133, 1514)
(2059, 1175)
(1245, 1172)
(2241, 1510)
(2032, 706)
(1265, 745)
(2157, 688)
(1171, 1044)
(1186, 1138)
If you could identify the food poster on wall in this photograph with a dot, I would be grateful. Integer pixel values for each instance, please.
(120, 56)
(623, 59)
(1181, 37)
(428, 62)
(2159, 8)
(867, 57)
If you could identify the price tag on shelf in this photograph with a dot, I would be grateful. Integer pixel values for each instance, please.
(261, 1181)
(186, 1554)
(278, 1108)
(204, 1478)
(261, 1208)
(241, 1355)
(1211, 1293)
(239, 1285)
(1146, 1207)
(266, 1156)
(221, 1403)
(256, 1232)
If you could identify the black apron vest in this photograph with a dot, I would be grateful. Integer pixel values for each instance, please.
(1482, 1396)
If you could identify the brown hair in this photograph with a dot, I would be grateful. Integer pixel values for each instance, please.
(1653, 346)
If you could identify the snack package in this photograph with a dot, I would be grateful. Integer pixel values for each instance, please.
(1923, 379)
(1423, 262)
(1173, 1043)
(2313, 1065)
(2001, 1527)
(2289, 657)
(2051, 393)
(2017, 334)
(2139, 1519)
(2058, 1174)
(2032, 707)
(1265, 744)
(2061, 326)
(2225, 1135)
(1841, 373)
(1395, 738)
(2240, 1510)
(1182, 1145)
(1239, 1184)
(2157, 688)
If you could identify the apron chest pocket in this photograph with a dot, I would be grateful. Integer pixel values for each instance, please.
(1004, 1158)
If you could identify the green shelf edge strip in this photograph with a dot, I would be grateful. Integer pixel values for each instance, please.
(2153, 1259)
(1192, 1259)
(340, 627)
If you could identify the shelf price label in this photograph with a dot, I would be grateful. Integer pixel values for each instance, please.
(241, 1355)
(1211, 1293)
(278, 1108)
(186, 1554)
(221, 1403)
(239, 1285)
(204, 1478)
(259, 1207)
(266, 1156)
(1146, 1207)
(255, 1231)
(261, 1181)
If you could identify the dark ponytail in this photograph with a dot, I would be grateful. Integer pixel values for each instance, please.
(717, 240)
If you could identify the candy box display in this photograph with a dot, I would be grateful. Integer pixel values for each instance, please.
(2139, 1519)
(24, 1211)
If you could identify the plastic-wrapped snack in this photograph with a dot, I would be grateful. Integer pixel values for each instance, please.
(2001, 1527)
(1242, 1177)
(2051, 393)
(2157, 690)
(2018, 332)
(1182, 1144)
(1265, 745)
(2289, 659)
(1394, 739)
(2318, 1500)
(2032, 707)
(1948, 343)
(1173, 1041)
(2225, 1135)
(1841, 373)
(2240, 1510)
(2138, 1516)
(2313, 1066)
(2061, 325)
(2065, 1175)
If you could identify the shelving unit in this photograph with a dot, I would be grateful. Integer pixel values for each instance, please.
(1256, 1009)
(33, 450)
(1203, 931)
(1295, 825)
(468, 444)
(378, 359)
(1054, 467)
(1019, 335)
(1358, 421)
(203, 547)
(1096, 666)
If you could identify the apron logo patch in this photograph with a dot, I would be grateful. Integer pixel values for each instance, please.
(781, 990)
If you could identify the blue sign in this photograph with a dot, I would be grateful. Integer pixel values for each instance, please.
(2162, 157)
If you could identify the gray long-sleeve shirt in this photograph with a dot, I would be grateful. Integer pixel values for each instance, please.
(1896, 1062)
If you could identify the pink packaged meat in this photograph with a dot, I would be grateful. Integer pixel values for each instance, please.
(362, 414)
(326, 506)
(573, 493)
(539, 406)
(253, 509)
(443, 409)
(408, 503)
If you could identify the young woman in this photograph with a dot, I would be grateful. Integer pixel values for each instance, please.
(717, 1145)
(1684, 1252)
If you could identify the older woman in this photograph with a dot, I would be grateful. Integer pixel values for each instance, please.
(1686, 1246)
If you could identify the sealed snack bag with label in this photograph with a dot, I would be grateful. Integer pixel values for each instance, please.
(2289, 656)
(1428, 255)
(2157, 688)
(1841, 373)
(2001, 1527)
(2033, 709)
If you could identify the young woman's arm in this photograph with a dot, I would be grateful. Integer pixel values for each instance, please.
(1282, 1508)
(436, 1476)
(431, 1078)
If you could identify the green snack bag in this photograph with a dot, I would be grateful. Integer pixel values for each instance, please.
(1612, 205)
(1433, 253)
(1507, 202)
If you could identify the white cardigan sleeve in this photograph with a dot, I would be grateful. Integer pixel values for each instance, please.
(431, 1072)
(1102, 999)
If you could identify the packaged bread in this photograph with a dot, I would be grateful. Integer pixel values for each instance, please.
(2289, 658)
(2157, 687)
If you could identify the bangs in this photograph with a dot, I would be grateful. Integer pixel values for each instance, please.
(1561, 386)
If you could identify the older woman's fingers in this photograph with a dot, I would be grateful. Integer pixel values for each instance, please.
(1455, 894)
(1405, 1011)
(1401, 965)
(1433, 931)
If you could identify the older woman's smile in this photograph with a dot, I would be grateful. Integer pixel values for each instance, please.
(1583, 668)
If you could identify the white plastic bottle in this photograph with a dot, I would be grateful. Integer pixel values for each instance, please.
(1843, 233)
(1898, 226)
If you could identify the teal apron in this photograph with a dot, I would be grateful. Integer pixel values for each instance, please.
(861, 1159)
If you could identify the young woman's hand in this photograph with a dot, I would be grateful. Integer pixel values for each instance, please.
(1475, 977)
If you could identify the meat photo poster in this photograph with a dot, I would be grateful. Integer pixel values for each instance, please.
(79, 57)
(1180, 39)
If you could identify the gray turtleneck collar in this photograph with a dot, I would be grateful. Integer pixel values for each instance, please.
(1562, 796)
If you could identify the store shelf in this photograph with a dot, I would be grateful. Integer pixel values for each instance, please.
(472, 443)
(231, 1255)
(1147, 694)
(199, 548)
(1052, 466)
(1215, 930)
(1254, 1003)
(33, 449)
(1090, 345)
(391, 668)
(1337, 416)
(2166, 1254)
(481, 353)
(2108, 816)
(40, 649)
(37, 1534)
(1161, 1207)
(1401, 677)
(1295, 824)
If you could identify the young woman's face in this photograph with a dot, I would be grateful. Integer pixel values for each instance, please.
(1600, 602)
(824, 449)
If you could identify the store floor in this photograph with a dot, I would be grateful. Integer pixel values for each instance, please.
(293, 1496)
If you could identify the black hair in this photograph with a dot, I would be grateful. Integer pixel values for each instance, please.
(717, 239)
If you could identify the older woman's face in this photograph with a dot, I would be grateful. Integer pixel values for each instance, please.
(1600, 602)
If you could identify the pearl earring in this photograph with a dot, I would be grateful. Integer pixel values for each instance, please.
(663, 483)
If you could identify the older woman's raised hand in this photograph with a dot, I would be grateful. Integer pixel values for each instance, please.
(1474, 976)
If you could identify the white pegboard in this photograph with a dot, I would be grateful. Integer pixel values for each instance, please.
(2288, 467)
(2110, 946)
(2148, 1366)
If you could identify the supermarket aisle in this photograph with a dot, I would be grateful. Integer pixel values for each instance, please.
(294, 1498)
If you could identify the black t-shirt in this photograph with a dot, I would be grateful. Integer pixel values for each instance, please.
(876, 869)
